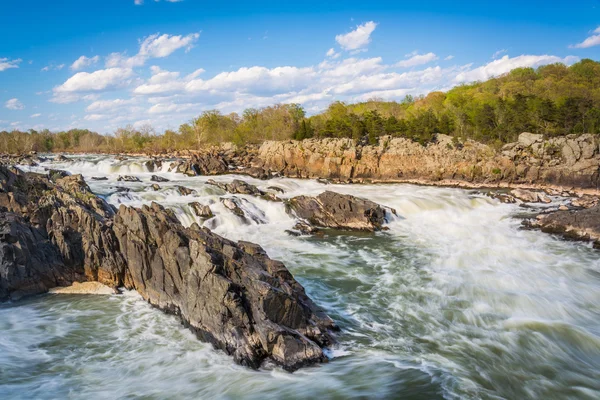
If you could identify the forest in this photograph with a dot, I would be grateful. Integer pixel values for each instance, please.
(552, 100)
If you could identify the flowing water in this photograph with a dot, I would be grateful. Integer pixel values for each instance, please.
(453, 301)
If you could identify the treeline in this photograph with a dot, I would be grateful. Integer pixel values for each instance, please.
(552, 99)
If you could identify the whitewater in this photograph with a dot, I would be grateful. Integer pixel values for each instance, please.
(454, 301)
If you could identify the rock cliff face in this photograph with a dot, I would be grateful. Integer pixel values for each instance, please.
(231, 294)
(567, 161)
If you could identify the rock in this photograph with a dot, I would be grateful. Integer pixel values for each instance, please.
(230, 294)
(155, 187)
(576, 224)
(530, 197)
(527, 139)
(61, 158)
(502, 197)
(156, 178)
(232, 204)
(99, 178)
(201, 210)
(209, 163)
(562, 207)
(585, 201)
(237, 187)
(128, 178)
(54, 174)
(339, 211)
(153, 165)
(182, 190)
(276, 189)
(303, 228)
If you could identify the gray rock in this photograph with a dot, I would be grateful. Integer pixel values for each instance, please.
(156, 178)
(527, 139)
(201, 210)
(128, 178)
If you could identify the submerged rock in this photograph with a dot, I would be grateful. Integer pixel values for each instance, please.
(339, 211)
(155, 187)
(99, 178)
(230, 294)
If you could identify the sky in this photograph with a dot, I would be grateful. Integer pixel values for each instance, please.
(104, 64)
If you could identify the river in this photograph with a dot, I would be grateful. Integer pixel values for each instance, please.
(453, 301)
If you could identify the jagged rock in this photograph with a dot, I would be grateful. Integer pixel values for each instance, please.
(576, 224)
(128, 178)
(339, 211)
(210, 163)
(156, 178)
(99, 178)
(155, 187)
(29, 263)
(237, 187)
(530, 197)
(182, 190)
(201, 210)
(230, 294)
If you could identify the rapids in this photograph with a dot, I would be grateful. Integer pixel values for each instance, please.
(453, 301)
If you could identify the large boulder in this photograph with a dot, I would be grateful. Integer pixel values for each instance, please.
(527, 139)
(339, 211)
(230, 294)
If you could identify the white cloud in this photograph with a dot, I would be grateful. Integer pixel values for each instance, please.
(35, 115)
(108, 105)
(332, 53)
(417, 59)
(499, 53)
(154, 46)
(6, 63)
(83, 62)
(358, 38)
(52, 67)
(14, 104)
(450, 57)
(95, 81)
(506, 64)
(590, 41)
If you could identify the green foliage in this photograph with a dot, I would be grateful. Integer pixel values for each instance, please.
(553, 99)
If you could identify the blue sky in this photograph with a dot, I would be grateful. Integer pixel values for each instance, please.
(105, 64)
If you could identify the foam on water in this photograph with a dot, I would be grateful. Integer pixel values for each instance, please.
(454, 301)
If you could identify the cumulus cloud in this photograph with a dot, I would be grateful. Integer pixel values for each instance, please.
(358, 38)
(75, 87)
(590, 41)
(14, 104)
(6, 63)
(153, 46)
(499, 53)
(108, 105)
(83, 62)
(417, 59)
(506, 64)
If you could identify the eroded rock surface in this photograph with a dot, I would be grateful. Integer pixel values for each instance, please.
(574, 224)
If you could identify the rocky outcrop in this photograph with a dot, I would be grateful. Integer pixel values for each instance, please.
(339, 211)
(206, 163)
(581, 224)
(183, 191)
(571, 160)
(230, 294)
(528, 196)
(128, 178)
(237, 186)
